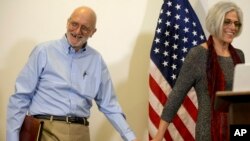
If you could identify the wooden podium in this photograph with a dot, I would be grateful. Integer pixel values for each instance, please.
(239, 105)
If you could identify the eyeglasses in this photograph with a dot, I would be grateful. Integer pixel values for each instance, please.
(228, 22)
(84, 29)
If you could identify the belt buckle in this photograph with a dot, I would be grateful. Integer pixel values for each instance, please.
(84, 121)
(51, 118)
(67, 119)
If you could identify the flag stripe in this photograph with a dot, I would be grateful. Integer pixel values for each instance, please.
(182, 129)
(157, 91)
(153, 117)
(192, 110)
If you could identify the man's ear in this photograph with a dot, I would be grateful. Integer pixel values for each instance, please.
(93, 32)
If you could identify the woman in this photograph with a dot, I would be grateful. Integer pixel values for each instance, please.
(216, 60)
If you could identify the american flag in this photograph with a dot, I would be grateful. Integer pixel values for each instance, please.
(178, 29)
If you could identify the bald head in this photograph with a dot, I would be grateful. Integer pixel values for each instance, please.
(86, 13)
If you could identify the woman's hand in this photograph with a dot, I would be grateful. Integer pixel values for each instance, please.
(161, 131)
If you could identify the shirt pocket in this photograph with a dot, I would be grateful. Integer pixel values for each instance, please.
(88, 86)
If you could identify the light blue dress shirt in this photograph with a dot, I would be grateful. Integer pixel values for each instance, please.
(56, 80)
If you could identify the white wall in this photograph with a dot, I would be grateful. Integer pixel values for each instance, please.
(124, 37)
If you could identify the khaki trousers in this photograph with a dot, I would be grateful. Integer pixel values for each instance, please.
(62, 131)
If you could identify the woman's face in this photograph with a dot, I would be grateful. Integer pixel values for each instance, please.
(231, 26)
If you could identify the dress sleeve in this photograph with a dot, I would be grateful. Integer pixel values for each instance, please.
(184, 83)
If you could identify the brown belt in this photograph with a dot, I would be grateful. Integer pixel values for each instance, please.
(67, 119)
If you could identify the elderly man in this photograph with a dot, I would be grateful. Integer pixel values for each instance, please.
(59, 82)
